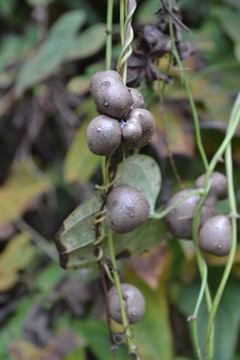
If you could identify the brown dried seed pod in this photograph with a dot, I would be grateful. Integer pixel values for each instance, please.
(110, 94)
(179, 220)
(147, 122)
(138, 101)
(103, 135)
(134, 304)
(127, 209)
(215, 236)
(219, 186)
(132, 131)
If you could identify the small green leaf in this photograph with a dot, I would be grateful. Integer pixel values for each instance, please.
(89, 42)
(142, 172)
(77, 233)
(62, 45)
(67, 25)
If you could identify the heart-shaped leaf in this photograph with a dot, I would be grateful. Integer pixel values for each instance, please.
(142, 172)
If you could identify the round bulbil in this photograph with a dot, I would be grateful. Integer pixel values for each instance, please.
(179, 220)
(147, 122)
(133, 300)
(127, 209)
(132, 131)
(138, 101)
(219, 186)
(103, 135)
(215, 235)
(110, 94)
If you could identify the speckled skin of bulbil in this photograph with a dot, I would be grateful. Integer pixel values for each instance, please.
(127, 209)
(138, 101)
(215, 236)
(103, 135)
(134, 304)
(110, 94)
(219, 186)
(147, 122)
(132, 131)
(179, 220)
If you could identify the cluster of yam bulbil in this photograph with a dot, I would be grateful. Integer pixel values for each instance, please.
(215, 231)
(122, 120)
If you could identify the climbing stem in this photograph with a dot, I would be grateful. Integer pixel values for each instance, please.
(160, 215)
(109, 34)
(233, 123)
(115, 274)
(127, 8)
(189, 93)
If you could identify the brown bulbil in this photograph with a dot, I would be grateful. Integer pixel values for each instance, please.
(127, 209)
(132, 131)
(134, 304)
(138, 101)
(219, 187)
(103, 135)
(179, 220)
(110, 94)
(215, 236)
(147, 122)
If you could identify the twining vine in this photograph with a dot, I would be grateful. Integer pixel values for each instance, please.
(123, 123)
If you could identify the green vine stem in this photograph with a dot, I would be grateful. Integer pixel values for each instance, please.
(127, 8)
(109, 34)
(193, 317)
(195, 225)
(188, 90)
(160, 215)
(131, 347)
(233, 123)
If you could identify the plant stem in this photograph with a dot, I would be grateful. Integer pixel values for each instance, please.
(163, 213)
(115, 274)
(196, 218)
(109, 34)
(127, 8)
(193, 318)
(233, 123)
(189, 93)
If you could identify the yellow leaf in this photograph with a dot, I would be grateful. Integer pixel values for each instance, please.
(17, 191)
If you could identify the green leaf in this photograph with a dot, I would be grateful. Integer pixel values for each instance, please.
(78, 233)
(77, 354)
(227, 319)
(67, 25)
(229, 20)
(62, 45)
(142, 172)
(89, 42)
(75, 241)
